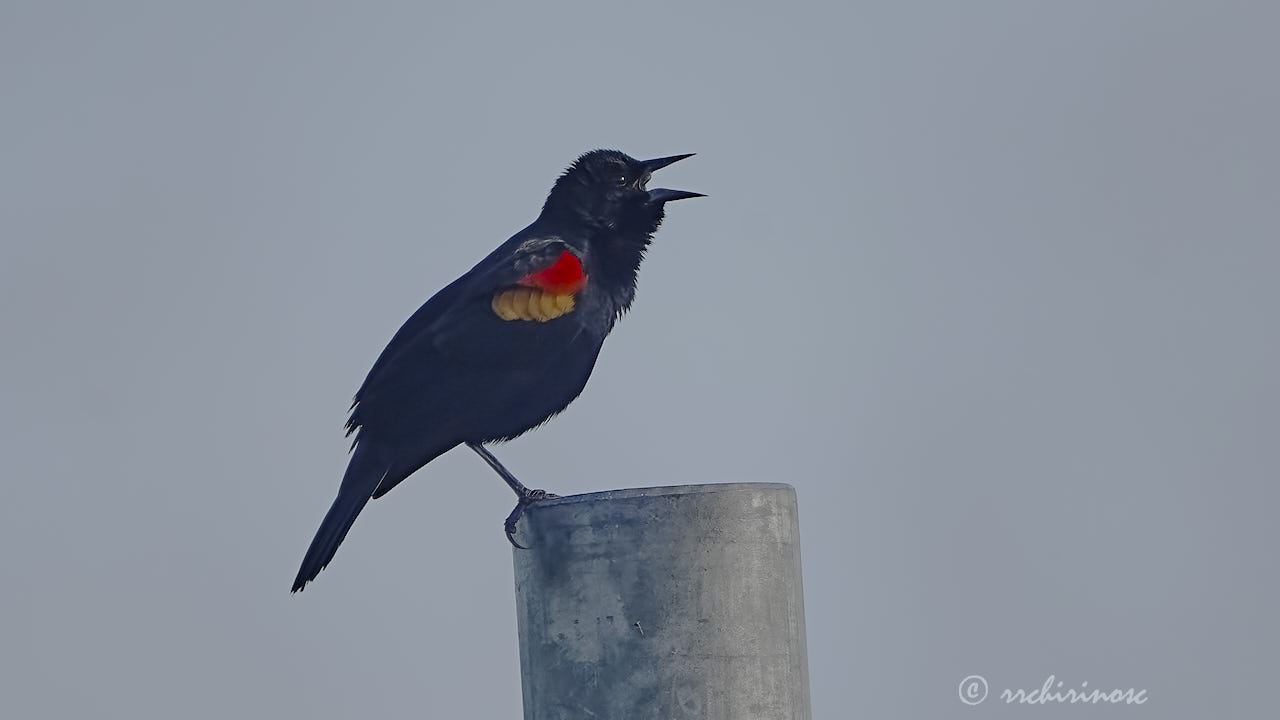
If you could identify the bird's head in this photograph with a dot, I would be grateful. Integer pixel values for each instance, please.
(607, 189)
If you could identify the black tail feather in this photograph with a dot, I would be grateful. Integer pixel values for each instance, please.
(363, 475)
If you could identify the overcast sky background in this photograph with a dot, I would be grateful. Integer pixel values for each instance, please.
(993, 284)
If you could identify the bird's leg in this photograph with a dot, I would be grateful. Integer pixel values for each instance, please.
(516, 486)
(524, 496)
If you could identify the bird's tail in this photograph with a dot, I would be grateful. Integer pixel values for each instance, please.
(364, 472)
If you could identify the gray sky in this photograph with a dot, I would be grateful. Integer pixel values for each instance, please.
(992, 284)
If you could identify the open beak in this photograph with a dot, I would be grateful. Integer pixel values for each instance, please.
(663, 195)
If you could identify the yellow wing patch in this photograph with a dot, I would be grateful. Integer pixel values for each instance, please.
(530, 303)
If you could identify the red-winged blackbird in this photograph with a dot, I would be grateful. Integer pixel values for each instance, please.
(506, 346)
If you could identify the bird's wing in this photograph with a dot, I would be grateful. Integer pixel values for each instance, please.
(521, 260)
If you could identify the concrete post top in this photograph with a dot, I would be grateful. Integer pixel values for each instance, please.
(666, 514)
(667, 491)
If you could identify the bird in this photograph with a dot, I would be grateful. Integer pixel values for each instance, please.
(506, 346)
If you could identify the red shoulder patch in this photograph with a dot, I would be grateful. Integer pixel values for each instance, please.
(564, 277)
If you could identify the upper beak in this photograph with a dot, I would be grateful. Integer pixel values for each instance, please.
(659, 163)
(662, 195)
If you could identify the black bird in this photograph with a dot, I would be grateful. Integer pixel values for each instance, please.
(505, 347)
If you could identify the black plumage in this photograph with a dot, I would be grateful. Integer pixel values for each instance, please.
(506, 346)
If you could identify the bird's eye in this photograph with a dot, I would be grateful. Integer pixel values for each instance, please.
(622, 180)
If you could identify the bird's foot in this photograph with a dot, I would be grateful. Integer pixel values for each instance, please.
(527, 498)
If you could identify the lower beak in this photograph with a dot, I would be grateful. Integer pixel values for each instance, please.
(663, 195)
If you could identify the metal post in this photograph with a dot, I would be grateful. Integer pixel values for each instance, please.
(670, 602)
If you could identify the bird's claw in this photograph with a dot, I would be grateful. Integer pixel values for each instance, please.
(526, 499)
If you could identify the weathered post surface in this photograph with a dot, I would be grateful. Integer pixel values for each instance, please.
(668, 602)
